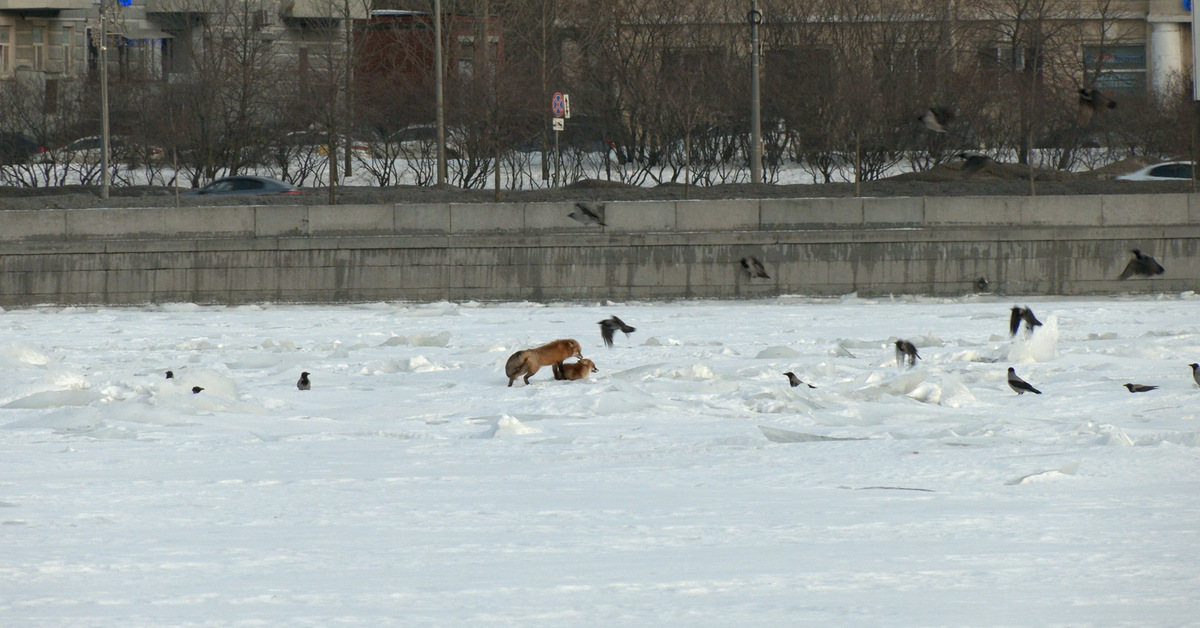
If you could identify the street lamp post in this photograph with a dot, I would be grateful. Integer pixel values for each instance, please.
(104, 154)
(755, 18)
(438, 98)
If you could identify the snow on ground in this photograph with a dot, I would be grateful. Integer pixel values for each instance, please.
(685, 484)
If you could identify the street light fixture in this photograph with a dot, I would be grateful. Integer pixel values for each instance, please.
(104, 154)
(755, 18)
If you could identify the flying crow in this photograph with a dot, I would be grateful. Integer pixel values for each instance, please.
(587, 215)
(754, 268)
(936, 118)
(1142, 266)
(1022, 314)
(973, 163)
(1018, 384)
(610, 325)
(1092, 101)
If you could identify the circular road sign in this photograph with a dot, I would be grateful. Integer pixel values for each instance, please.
(556, 105)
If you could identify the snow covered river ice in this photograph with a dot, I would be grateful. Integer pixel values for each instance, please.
(685, 484)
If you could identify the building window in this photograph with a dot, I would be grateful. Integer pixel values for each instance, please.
(1116, 69)
(466, 56)
(6, 50)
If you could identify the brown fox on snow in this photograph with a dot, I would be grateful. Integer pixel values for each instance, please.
(528, 361)
(575, 370)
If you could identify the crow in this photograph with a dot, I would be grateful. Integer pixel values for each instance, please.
(754, 268)
(1018, 384)
(795, 381)
(1142, 266)
(906, 350)
(1135, 388)
(587, 215)
(303, 383)
(170, 375)
(973, 163)
(610, 325)
(1195, 372)
(936, 118)
(1022, 314)
(1092, 101)
(196, 389)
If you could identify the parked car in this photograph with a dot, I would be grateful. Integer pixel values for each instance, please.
(18, 149)
(419, 141)
(246, 184)
(316, 142)
(88, 150)
(1169, 171)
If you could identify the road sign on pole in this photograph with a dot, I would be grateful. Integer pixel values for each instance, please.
(557, 124)
(557, 105)
(566, 105)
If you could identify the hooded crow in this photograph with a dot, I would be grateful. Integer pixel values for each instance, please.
(170, 375)
(1092, 101)
(1018, 384)
(303, 383)
(973, 163)
(754, 268)
(936, 118)
(587, 215)
(1139, 388)
(610, 325)
(1195, 372)
(1022, 314)
(795, 381)
(906, 350)
(196, 389)
(1142, 266)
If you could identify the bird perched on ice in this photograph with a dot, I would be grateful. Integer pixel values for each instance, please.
(1142, 266)
(613, 324)
(754, 268)
(906, 350)
(795, 381)
(196, 389)
(1091, 101)
(1135, 388)
(303, 383)
(587, 215)
(1020, 385)
(1195, 372)
(170, 375)
(936, 118)
(1022, 314)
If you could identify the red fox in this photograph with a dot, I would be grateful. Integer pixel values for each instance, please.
(575, 370)
(528, 361)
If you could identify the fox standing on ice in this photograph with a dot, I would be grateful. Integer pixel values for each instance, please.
(575, 370)
(528, 361)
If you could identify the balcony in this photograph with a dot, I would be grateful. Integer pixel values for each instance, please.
(45, 5)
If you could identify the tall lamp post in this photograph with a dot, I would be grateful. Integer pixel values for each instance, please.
(104, 154)
(438, 98)
(755, 18)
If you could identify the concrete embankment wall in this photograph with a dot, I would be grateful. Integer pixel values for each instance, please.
(648, 250)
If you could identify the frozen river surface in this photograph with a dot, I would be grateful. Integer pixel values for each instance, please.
(685, 484)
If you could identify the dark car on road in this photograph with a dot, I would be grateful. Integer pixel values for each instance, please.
(246, 184)
(17, 149)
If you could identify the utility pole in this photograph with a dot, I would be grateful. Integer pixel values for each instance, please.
(755, 18)
(439, 102)
(349, 102)
(104, 154)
